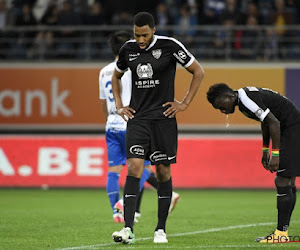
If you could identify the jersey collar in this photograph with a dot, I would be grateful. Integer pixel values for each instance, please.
(153, 42)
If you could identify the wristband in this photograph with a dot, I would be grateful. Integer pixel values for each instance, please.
(265, 148)
(275, 152)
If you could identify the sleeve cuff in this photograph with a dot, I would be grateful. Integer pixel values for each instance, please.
(190, 62)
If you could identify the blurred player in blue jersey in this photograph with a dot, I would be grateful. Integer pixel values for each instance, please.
(116, 130)
(280, 123)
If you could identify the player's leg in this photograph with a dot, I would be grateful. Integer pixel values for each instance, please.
(116, 160)
(137, 146)
(164, 192)
(285, 179)
(131, 192)
(113, 190)
(163, 153)
(284, 201)
(294, 191)
(138, 204)
(284, 208)
(145, 177)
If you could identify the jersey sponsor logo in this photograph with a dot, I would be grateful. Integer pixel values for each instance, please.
(146, 84)
(182, 54)
(144, 71)
(137, 150)
(133, 57)
(156, 53)
(158, 156)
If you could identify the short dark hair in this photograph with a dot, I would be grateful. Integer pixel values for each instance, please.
(144, 18)
(117, 39)
(218, 90)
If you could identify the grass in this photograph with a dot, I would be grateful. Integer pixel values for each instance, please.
(82, 219)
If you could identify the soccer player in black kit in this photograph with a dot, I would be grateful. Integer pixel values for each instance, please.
(280, 123)
(152, 127)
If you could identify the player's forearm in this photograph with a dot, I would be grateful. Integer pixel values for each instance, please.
(198, 76)
(274, 130)
(265, 134)
(115, 82)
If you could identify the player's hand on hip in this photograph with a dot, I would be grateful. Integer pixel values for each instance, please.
(174, 108)
(265, 160)
(274, 164)
(126, 112)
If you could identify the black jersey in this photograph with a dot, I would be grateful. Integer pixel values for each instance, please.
(153, 73)
(256, 103)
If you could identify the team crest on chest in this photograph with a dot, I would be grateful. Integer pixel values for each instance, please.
(156, 53)
(144, 71)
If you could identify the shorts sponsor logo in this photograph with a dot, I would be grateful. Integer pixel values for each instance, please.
(280, 170)
(171, 157)
(158, 156)
(137, 150)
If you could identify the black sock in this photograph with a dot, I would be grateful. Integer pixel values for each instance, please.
(294, 192)
(152, 180)
(284, 206)
(131, 192)
(164, 192)
(138, 201)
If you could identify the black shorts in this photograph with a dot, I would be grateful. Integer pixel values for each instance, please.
(152, 140)
(289, 153)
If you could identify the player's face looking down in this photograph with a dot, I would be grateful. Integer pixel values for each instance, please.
(143, 35)
(226, 104)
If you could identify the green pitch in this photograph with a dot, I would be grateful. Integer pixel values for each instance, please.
(82, 219)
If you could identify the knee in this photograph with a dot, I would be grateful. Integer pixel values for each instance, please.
(163, 173)
(135, 168)
(282, 181)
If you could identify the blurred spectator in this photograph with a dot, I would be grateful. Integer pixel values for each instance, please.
(281, 17)
(6, 20)
(25, 38)
(44, 43)
(162, 18)
(212, 11)
(224, 39)
(93, 39)
(6, 17)
(185, 22)
(251, 10)
(26, 17)
(122, 18)
(270, 45)
(250, 40)
(231, 11)
(67, 45)
(95, 15)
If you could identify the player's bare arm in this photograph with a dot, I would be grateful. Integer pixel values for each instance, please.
(198, 74)
(126, 111)
(266, 141)
(274, 130)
